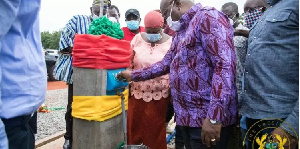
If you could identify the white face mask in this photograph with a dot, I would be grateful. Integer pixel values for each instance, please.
(173, 25)
(231, 21)
(94, 17)
(113, 19)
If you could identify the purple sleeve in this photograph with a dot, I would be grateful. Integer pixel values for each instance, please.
(217, 35)
(155, 70)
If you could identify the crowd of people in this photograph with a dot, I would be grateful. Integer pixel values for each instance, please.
(218, 75)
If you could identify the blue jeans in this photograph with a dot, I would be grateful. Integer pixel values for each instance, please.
(192, 138)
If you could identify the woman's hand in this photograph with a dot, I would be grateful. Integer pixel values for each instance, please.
(126, 74)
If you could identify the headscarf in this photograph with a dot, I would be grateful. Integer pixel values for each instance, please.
(105, 2)
(154, 19)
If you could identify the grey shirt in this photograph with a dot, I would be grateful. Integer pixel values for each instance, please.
(271, 85)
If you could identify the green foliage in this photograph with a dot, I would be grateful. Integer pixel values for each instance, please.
(241, 18)
(50, 40)
(104, 26)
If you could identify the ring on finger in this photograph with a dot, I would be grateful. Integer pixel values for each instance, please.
(213, 142)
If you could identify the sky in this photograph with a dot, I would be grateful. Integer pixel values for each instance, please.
(54, 14)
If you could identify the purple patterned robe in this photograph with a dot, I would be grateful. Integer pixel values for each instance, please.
(201, 63)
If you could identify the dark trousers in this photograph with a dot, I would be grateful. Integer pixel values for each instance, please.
(19, 132)
(170, 112)
(192, 138)
(179, 143)
(33, 123)
(68, 115)
(235, 140)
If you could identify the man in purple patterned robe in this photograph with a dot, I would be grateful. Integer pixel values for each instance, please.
(201, 63)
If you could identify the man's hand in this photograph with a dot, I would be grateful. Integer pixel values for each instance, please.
(210, 132)
(126, 74)
(291, 143)
(67, 51)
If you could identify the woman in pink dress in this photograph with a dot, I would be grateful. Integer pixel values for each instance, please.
(149, 99)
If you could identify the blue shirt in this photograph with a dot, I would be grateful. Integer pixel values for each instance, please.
(22, 64)
(271, 86)
(3, 137)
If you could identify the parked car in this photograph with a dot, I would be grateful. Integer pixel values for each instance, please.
(50, 62)
(52, 52)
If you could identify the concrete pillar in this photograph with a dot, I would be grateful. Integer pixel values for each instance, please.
(92, 134)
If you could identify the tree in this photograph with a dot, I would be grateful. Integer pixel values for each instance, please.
(50, 40)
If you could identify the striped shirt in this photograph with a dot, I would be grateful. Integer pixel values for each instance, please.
(79, 24)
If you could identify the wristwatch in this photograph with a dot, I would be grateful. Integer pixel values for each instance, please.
(214, 122)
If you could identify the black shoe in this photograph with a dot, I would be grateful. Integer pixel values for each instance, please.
(67, 145)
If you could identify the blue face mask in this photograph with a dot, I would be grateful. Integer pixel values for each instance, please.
(133, 25)
(153, 37)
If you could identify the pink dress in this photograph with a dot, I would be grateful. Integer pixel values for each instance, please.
(144, 55)
(149, 99)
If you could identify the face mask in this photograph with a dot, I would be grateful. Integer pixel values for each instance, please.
(113, 16)
(153, 37)
(231, 21)
(94, 17)
(174, 25)
(133, 25)
(113, 19)
(252, 16)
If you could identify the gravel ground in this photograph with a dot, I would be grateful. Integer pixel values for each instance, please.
(53, 122)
